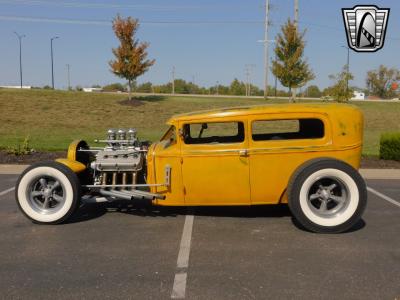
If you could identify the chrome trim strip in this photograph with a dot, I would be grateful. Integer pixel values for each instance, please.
(122, 185)
(269, 150)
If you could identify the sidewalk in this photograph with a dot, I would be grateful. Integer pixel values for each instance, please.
(12, 169)
(366, 173)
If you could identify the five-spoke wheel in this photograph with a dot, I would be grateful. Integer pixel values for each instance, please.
(48, 192)
(327, 195)
(46, 195)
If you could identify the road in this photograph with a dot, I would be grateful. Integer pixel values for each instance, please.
(121, 251)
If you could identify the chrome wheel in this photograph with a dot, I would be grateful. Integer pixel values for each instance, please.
(46, 195)
(328, 197)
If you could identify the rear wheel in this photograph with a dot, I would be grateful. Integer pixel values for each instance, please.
(48, 192)
(327, 196)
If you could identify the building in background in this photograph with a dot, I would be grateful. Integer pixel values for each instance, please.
(15, 87)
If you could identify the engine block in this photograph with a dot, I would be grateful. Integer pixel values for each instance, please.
(118, 160)
(123, 153)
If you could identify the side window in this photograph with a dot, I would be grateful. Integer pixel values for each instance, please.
(266, 130)
(213, 133)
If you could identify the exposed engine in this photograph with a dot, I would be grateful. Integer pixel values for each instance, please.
(122, 161)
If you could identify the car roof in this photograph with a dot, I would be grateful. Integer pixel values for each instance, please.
(325, 108)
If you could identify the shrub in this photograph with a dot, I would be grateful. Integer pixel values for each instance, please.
(19, 149)
(114, 87)
(390, 146)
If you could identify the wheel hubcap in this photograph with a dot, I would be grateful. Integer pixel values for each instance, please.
(328, 197)
(46, 195)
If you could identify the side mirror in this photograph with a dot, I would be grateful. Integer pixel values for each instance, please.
(204, 126)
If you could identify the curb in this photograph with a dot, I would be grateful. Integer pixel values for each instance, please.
(366, 173)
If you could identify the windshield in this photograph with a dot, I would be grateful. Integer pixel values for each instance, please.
(169, 136)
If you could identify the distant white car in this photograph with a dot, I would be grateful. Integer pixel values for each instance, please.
(91, 90)
(358, 95)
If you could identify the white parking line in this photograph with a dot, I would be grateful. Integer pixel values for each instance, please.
(7, 191)
(179, 288)
(384, 197)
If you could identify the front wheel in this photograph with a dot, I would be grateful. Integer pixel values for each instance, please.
(327, 196)
(48, 192)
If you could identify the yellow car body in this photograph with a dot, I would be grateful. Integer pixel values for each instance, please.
(305, 155)
(257, 168)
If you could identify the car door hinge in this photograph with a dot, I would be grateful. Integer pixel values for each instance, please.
(181, 160)
(184, 190)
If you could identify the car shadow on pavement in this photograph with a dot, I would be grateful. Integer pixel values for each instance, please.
(358, 226)
(255, 211)
(145, 209)
(89, 211)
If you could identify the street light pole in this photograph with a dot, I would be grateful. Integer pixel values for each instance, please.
(247, 73)
(68, 77)
(173, 80)
(266, 49)
(347, 68)
(20, 55)
(52, 63)
(247, 70)
(276, 80)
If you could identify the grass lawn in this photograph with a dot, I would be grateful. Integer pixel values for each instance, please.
(52, 119)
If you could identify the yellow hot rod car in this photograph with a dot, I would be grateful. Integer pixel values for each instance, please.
(306, 155)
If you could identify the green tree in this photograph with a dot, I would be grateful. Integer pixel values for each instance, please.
(220, 89)
(237, 87)
(290, 67)
(181, 86)
(313, 92)
(131, 56)
(339, 91)
(146, 87)
(379, 81)
(114, 87)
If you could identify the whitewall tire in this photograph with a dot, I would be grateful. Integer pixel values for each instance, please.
(327, 196)
(48, 192)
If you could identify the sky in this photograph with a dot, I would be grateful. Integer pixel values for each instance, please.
(207, 41)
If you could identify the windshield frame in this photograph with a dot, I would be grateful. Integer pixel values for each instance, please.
(171, 131)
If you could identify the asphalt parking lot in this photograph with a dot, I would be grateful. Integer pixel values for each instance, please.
(142, 252)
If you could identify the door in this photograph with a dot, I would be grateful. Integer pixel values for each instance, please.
(278, 144)
(215, 166)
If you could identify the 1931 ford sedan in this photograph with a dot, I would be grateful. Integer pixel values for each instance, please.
(306, 155)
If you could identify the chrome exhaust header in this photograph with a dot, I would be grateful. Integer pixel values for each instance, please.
(131, 194)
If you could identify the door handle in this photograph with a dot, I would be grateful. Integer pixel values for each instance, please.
(243, 152)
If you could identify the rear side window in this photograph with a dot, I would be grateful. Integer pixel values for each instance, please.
(213, 133)
(294, 129)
